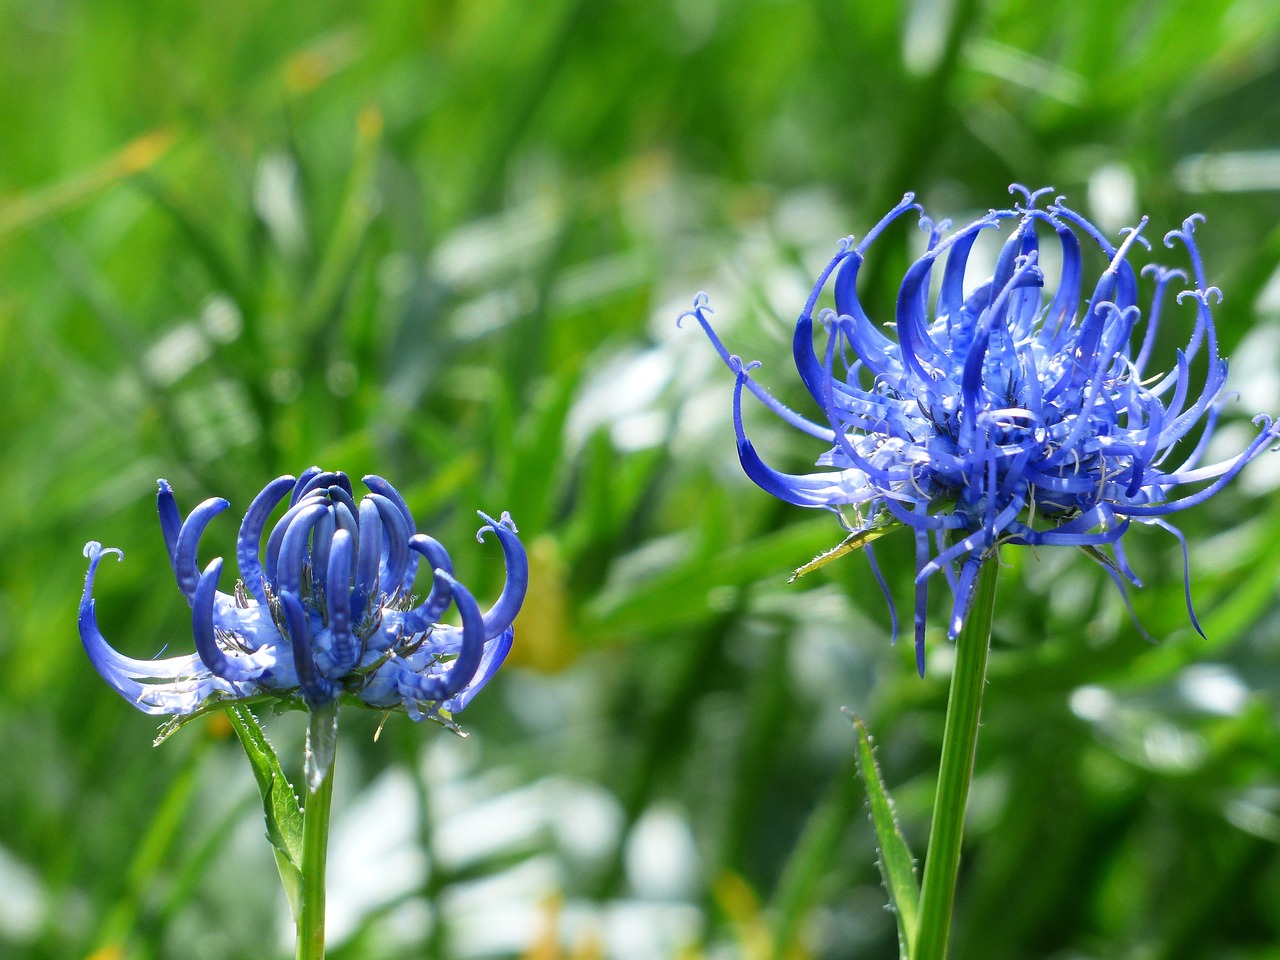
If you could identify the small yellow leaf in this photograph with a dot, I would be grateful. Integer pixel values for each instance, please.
(855, 541)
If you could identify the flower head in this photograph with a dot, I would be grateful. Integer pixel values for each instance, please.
(327, 612)
(1004, 412)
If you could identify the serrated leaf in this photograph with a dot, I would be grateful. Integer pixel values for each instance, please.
(212, 705)
(279, 801)
(897, 866)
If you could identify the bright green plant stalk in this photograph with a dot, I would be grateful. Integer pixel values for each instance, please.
(315, 848)
(959, 744)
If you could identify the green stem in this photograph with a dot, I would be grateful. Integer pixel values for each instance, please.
(959, 743)
(315, 849)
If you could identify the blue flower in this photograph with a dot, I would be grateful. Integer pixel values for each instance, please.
(1005, 412)
(328, 612)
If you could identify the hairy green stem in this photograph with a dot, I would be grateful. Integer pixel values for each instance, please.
(315, 850)
(959, 744)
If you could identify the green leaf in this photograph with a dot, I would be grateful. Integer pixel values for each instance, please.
(811, 859)
(215, 702)
(897, 867)
(337, 268)
(279, 801)
(855, 541)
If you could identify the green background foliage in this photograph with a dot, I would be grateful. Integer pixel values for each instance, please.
(447, 243)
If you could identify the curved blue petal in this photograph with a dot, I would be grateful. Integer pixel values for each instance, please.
(495, 653)
(170, 519)
(249, 541)
(394, 564)
(293, 546)
(315, 688)
(459, 672)
(346, 651)
(204, 629)
(184, 559)
(502, 614)
(368, 557)
(176, 686)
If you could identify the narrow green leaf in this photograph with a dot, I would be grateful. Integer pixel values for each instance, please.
(134, 157)
(811, 859)
(213, 704)
(337, 265)
(279, 801)
(897, 866)
(855, 541)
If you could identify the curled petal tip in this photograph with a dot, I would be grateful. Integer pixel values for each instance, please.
(1029, 196)
(1162, 273)
(504, 521)
(93, 550)
(1186, 233)
(1202, 296)
(1136, 233)
(701, 305)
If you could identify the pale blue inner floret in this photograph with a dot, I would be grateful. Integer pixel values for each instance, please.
(1007, 414)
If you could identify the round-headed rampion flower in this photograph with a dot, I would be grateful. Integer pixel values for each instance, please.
(327, 612)
(1003, 412)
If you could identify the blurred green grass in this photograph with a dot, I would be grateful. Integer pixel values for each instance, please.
(448, 243)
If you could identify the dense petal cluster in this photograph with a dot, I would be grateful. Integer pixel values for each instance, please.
(1004, 412)
(326, 611)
